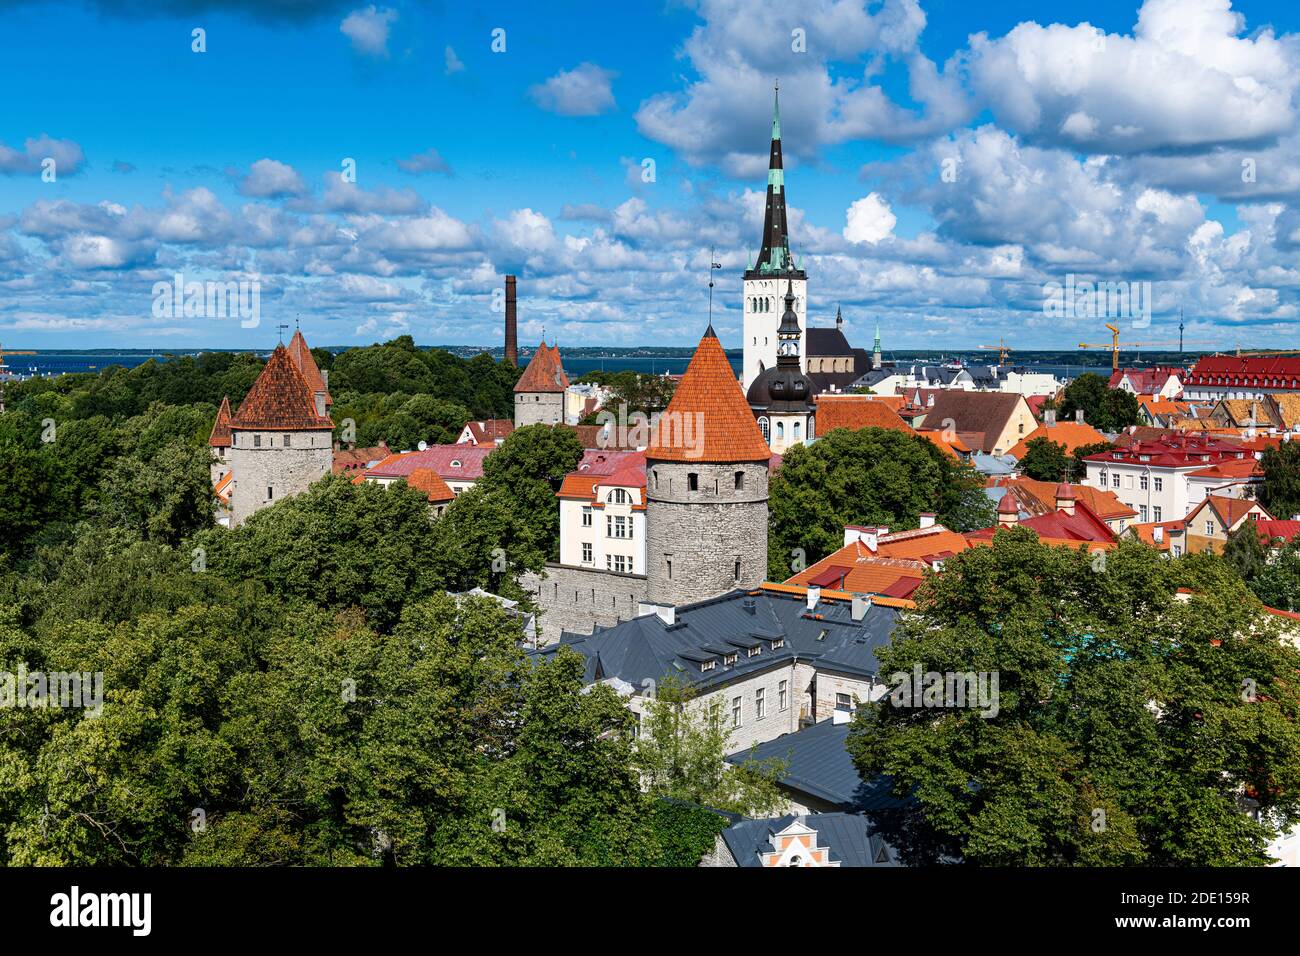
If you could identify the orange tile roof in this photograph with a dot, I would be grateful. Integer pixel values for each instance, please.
(1228, 510)
(280, 400)
(428, 481)
(1070, 434)
(1039, 497)
(1146, 532)
(856, 411)
(1231, 468)
(708, 419)
(301, 355)
(954, 446)
(544, 373)
(222, 488)
(220, 437)
(829, 595)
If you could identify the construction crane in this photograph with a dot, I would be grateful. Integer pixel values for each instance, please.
(1001, 348)
(5, 368)
(1115, 345)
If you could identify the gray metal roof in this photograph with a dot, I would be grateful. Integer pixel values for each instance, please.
(847, 835)
(818, 764)
(647, 649)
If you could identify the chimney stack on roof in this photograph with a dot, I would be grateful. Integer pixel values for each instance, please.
(1008, 511)
(1078, 415)
(814, 595)
(861, 604)
(1049, 417)
(512, 323)
(927, 519)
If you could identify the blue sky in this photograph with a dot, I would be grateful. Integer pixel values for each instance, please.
(1110, 151)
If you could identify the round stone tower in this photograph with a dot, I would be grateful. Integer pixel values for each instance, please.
(706, 487)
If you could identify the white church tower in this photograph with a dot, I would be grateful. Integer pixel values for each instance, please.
(768, 279)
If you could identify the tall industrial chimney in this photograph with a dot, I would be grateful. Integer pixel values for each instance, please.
(512, 318)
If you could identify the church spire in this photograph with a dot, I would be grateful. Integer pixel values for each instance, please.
(774, 257)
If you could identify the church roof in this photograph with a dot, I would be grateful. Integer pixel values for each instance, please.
(708, 401)
(280, 399)
(544, 372)
(301, 355)
(220, 437)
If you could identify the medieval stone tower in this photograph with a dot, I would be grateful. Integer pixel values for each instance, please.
(282, 435)
(706, 487)
(767, 280)
(539, 393)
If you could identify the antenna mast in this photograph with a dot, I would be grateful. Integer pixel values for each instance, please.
(712, 265)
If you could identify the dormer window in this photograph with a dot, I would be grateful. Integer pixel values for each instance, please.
(707, 665)
(778, 643)
(729, 658)
(753, 651)
(455, 463)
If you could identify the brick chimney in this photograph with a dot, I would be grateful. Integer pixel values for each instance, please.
(512, 320)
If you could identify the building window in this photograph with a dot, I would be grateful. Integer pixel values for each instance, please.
(618, 562)
(257, 441)
(1143, 510)
(1176, 550)
(783, 694)
(735, 712)
(669, 562)
(812, 427)
(737, 569)
(1142, 482)
(270, 492)
(729, 659)
(760, 705)
(617, 526)
(1114, 480)
(619, 497)
(740, 481)
(1209, 528)
(794, 431)
(1157, 512)
(287, 441)
(780, 429)
(764, 428)
(586, 517)
(778, 643)
(1160, 484)
(754, 651)
(843, 702)
(586, 553)
(707, 665)
(692, 481)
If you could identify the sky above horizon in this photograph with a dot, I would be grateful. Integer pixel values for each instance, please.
(946, 164)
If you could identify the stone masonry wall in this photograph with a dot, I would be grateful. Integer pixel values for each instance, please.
(704, 532)
(578, 599)
(539, 408)
(287, 471)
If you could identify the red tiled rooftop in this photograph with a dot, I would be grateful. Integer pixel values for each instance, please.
(280, 400)
(220, 437)
(450, 462)
(544, 372)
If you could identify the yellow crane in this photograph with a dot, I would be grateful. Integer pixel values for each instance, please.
(5, 368)
(1001, 348)
(1115, 345)
(1241, 352)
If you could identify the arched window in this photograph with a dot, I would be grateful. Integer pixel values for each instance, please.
(618, 496)
(763, 427)
(794, 431)
(780, 429)
(812, 425)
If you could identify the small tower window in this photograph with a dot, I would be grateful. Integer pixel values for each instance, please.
(668, 563)
(692, 481)
(288, 441)
(270, 492)
(257, 441)
(740, 481)
(738, 569)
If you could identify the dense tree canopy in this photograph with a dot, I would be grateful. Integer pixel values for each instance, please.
(1280, 492)
(1045, 460)
(1104, 408)
(1129, 725)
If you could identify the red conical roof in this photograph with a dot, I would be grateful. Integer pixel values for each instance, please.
(708, 419)
(544, 372)
(1063, 491)
(220, 437)
(1008, 506)
(280, 399)
(301, 355)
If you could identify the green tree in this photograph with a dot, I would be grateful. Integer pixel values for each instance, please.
(1045, 460)
(1245, 552)
(528, 468)
(1277, 582)
(1079, 468)
(1104, 408)
(1280, 492)
(1128, 723)
(680, 754)
(868, 476)
(32, 494)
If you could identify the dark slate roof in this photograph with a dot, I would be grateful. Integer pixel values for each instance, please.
(848, 835)
(827, 342)
(818, 764)
(646, 649)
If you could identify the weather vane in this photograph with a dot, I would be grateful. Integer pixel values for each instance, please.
(712, 265)
(282, 329)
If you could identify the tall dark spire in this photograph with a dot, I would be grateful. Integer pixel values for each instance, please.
(774, 257)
